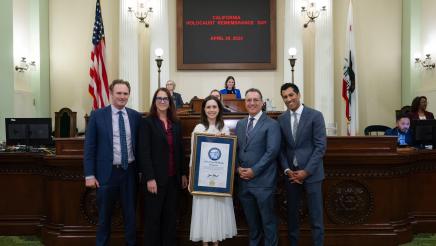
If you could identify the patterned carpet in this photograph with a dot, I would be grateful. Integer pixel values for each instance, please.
(419, 240)
(20, 241)
(422, 240)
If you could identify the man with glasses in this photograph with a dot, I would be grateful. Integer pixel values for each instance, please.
(109, 161)
(258, 147)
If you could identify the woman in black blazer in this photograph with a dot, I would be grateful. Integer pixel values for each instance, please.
(160, 159)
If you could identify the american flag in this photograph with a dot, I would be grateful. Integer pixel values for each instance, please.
(98, 85)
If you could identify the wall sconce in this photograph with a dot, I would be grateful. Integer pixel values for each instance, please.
(24, 65)
(426, 63)
(158, 52)
(312, 12)
(142, 13)
(292, 52)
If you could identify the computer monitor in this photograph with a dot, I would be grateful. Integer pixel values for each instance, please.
(423, 132)
(29, 131)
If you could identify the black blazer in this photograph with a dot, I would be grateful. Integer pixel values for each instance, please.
(177, 99)
(153, 151)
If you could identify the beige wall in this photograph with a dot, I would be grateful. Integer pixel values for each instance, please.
(378, 35)
(71, 25)
(377, 26)
(428, 45)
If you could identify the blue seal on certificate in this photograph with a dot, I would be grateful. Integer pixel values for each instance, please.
(214, 154)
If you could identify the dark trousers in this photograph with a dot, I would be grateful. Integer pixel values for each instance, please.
(258, 205)
(160, 215)
(315, 206)
(121, 186)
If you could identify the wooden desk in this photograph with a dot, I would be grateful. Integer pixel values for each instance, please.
(373, 195)
(235, 105)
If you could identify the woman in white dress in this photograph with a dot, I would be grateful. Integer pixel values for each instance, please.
(213, 217)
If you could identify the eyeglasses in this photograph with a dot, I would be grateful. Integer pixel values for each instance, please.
(162, 99)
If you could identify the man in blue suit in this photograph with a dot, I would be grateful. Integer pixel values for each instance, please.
(303, 147)
(109, 161)
(258, 147)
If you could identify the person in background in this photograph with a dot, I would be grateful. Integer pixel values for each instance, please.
(213, 217)
(230, 87)
(176, 97)
(402, 131)
(418, 109)
(109, 161)
(160, 158)
(216, 93)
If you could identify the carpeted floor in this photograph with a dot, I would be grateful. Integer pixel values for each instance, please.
(419, 240)
(20, 241)
(422, 240)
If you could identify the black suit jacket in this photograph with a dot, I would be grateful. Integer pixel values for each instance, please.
(177, 99)
(153, 150)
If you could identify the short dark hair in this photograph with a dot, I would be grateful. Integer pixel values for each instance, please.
(254, 90)
(119, 82)
(403, 115)
(286, 86)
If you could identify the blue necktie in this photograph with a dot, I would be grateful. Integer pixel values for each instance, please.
(249, 128)
(123, 141)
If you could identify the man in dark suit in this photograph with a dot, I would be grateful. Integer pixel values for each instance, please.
(303, 147)
(109, 161)
(258, 147)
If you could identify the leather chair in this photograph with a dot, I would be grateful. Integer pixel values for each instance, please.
(377, 130)
(65, 123)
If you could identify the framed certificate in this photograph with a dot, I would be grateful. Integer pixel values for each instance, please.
(213, 165)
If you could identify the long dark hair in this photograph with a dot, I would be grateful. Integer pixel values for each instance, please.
(415, 103)
(219, 118)
(171, 111)
(228, 78)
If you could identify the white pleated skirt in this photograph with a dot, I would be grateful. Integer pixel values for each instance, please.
(213, 218)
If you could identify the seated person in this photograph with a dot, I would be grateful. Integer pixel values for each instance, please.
(217, 94)
(402, 131)
(230, 87)
(177, 98)
(418, 109)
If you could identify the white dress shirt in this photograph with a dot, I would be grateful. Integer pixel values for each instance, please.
(116, 136)
(256, 118)
(298, 112)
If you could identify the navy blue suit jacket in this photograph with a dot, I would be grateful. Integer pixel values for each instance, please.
(260, 152)
(395, 132)
(98, 152)
(310, 146)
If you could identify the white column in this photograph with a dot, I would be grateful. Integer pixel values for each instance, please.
(323, 84)
(293, 38)
(128, 51)
(159, 38)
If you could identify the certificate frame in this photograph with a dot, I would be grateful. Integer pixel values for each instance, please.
(220, 164)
